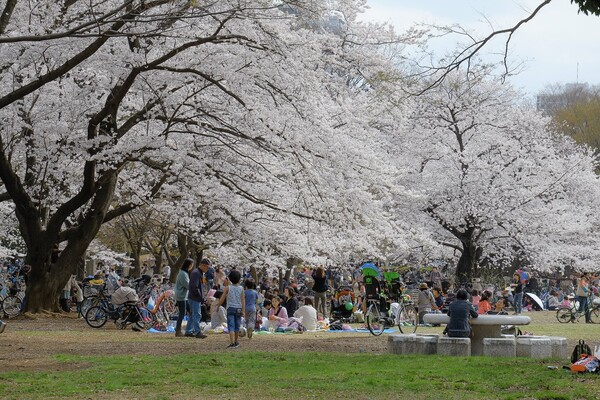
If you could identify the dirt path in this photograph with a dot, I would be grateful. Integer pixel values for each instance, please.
(28, 345)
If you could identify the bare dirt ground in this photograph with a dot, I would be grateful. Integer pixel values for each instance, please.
(29, 344)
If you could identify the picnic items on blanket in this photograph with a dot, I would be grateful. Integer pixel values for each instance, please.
(587, 363)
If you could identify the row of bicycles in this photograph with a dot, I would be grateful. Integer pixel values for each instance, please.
(142, 306)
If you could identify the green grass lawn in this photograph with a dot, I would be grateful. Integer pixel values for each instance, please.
(247, 374)
(301, 375)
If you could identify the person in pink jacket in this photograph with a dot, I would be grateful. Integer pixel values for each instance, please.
(278, 314)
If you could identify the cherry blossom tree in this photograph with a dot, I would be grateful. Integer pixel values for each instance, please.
(496, 178)
(108, 105)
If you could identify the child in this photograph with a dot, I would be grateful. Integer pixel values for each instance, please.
(484, 303)
(251, 299)
(475, 298)
(236, 306)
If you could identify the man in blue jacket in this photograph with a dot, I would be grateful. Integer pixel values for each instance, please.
(195, 299)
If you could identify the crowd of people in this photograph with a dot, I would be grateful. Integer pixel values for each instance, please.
(218, 300)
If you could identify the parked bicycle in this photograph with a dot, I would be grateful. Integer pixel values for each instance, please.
(129, 312)
(571, 313)
(12, 299)
(380, 314)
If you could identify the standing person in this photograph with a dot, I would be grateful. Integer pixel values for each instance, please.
(219, 277)
(195, 299)
(167, 273)
(251, 300)
(425, 301)
(236, 307)
(517, 286)
(182, 285)
(320, 289)
(583, 292)
(435, 276)
(460, 311)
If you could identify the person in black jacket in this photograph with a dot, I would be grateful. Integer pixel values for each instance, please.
(195, 299)
(291, 301)
(320, 289)
(460, 311)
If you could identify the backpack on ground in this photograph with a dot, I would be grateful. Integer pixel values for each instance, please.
(580, 348)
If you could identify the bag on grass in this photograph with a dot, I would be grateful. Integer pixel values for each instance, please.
(580, 348)
(586, 363)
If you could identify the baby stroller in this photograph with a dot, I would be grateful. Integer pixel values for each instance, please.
(342, 304)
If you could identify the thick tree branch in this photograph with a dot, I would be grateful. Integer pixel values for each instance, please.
(6, 14)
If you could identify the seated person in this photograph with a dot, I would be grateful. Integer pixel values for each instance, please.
(484, 303)
(218, 314)
(500, 306)
(307, 315)
(439, 299)
(278, 314)
(553, 302)
(460, 311)
(475, 298)
(264, 313)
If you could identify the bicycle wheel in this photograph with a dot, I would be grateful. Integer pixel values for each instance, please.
(96, 317)
(88, 303)
(564, 315)
(595, 315)
(161, 319)
(408, 319)
(374, 319)
(11, 305)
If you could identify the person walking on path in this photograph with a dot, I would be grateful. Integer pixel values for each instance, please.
(182, 285)
(195, 298)
(236, 307)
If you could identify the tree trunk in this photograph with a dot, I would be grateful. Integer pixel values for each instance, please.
(467, 264)
(47, 279)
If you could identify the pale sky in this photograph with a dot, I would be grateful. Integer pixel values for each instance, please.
(558, 45)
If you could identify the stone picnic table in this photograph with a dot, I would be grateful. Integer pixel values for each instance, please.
(485, 326)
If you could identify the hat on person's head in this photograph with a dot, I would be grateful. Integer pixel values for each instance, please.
(423, 286)
(205, 261)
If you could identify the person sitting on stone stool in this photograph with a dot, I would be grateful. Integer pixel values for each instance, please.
(460, 311)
